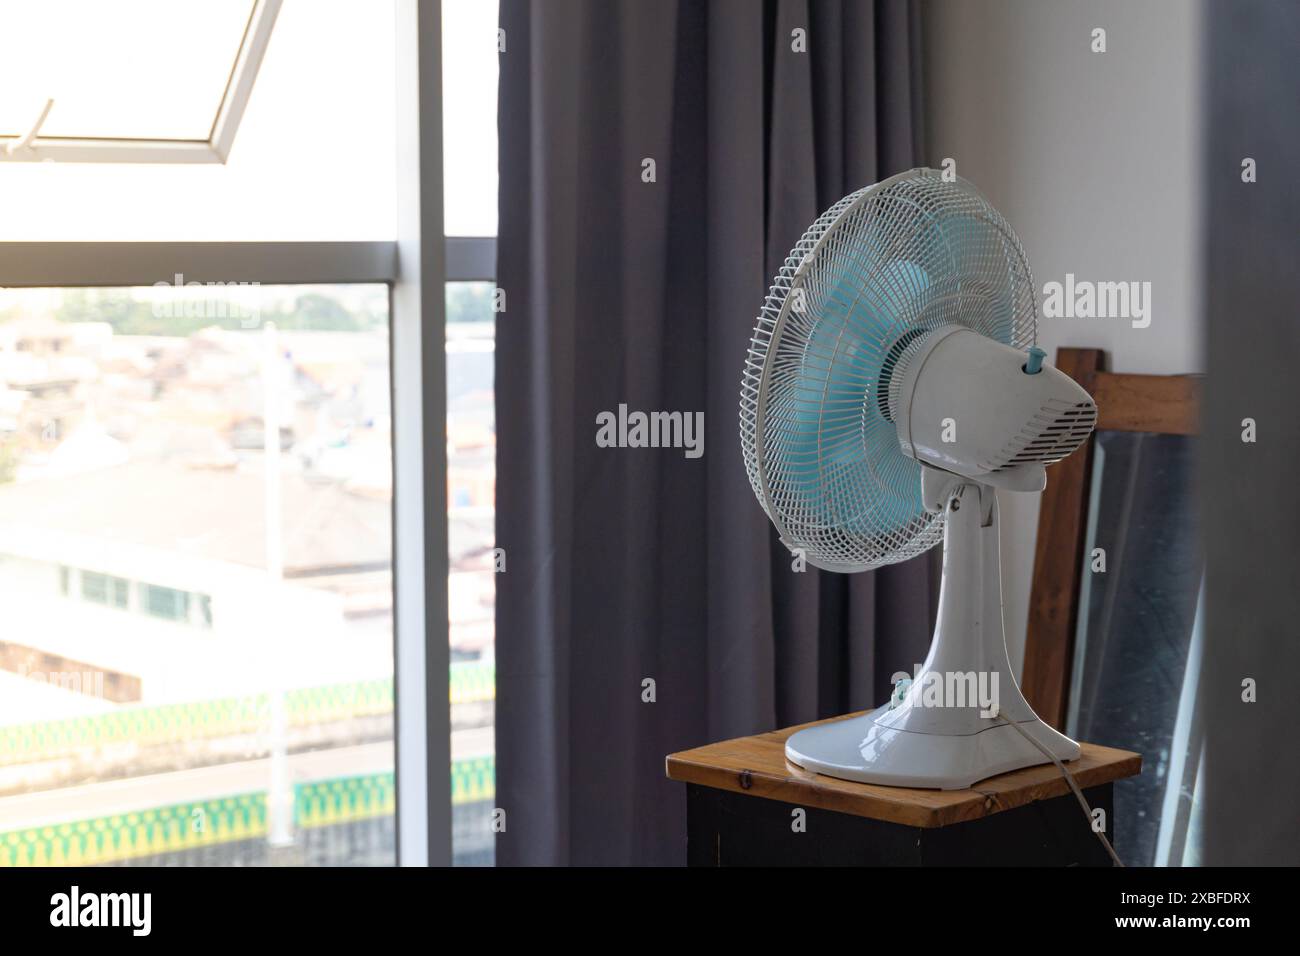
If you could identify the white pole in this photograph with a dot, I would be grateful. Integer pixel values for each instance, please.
(271, 450)
(280, 791)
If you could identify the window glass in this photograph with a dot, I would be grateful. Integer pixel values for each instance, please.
(213, 611)
(167, 603)
(314, 157)
(471, 504)
(102, 64)
(470, 42)
(103, 589)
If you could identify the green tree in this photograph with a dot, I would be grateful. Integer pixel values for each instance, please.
(8, 462)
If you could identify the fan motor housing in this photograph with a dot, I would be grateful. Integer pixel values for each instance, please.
(968, 405)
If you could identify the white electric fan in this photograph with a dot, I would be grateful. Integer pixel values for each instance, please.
(892, 384)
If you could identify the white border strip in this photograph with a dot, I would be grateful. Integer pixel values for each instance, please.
(420, 452)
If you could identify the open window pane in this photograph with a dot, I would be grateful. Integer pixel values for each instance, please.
(130, 69)
(197, 660)
(314, 158)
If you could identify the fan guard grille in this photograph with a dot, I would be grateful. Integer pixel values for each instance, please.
(869, 278)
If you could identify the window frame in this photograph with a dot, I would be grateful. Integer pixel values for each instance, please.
(471, 258)
(416, 273)
(215, 149)
(418, 632)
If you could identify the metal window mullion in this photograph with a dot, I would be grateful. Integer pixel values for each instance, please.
(471, 259)
(422, 652)
(63, 264)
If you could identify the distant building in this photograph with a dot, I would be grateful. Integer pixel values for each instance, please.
(158, 571)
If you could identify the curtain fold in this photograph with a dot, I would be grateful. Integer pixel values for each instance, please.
(1244, 809)
(638, 564)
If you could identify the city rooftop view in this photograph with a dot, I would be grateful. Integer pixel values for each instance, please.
(196, 570)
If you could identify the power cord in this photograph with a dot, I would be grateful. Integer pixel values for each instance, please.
(1069, 778)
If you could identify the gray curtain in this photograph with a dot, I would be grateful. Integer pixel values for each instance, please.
(1251, 776)
(631, 564)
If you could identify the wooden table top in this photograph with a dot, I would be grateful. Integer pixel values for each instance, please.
(757, 766)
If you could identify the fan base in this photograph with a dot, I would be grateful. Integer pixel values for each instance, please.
(862, 750)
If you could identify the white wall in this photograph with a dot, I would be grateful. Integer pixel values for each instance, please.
(1094, 160)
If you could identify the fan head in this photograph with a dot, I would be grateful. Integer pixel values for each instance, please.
(856, 298)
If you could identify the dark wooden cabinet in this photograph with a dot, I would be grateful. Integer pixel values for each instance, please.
(747, 806)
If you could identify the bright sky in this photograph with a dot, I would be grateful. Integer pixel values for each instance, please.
(105, 74)
(315, 155)
(469, 120)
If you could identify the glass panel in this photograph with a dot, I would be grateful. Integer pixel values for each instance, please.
(131, 69)
(94, 587)
(211, 612)
(103, 589)
(469, 117)
(1134, 673)
(314, 157)
(169, 604)
(471, 504)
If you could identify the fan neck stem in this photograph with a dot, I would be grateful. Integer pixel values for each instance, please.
(968, 656)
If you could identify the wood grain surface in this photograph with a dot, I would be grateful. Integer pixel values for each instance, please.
(757, 766)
